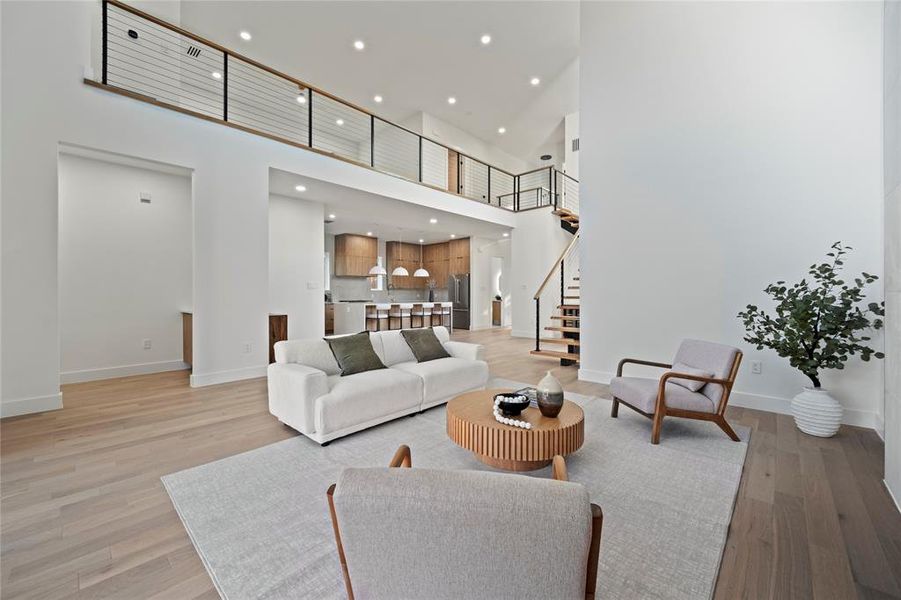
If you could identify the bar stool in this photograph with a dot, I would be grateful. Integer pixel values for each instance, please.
(376, 314)
(403, 312)
(446, 312)
(422, 311)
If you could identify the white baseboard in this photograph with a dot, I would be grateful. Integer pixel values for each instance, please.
(25, 406)
(595, 376)
(122, 371)
(204, 379)
(880, 427)
(859, 418)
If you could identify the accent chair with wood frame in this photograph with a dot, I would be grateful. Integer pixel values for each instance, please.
(424, 533)
(659, 398)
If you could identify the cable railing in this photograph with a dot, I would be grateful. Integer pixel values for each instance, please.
(149, 59)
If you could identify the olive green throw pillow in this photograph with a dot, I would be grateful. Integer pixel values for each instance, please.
(424, 344)
(354, 353)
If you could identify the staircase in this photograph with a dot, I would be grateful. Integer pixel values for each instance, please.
(557, 330)
(568, 219)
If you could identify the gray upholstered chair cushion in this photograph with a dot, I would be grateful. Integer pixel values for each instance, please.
(691, 385)
(708, 356)
(642, 394)
(419, 533)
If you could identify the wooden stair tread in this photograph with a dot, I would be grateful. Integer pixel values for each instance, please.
(571, 297)
(569, 306)
(565, 317)
(555, 354)
(563, 329)
(574, 287)
(562, 341)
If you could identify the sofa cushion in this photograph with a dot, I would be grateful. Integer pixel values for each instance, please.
(364, 397)
(354, 353)
(642, 394)
(391, 347)
(312, 353)
(424, 344)
(445, 378)
(689, 384)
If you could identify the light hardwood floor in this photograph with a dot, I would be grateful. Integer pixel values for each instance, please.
(83, 513)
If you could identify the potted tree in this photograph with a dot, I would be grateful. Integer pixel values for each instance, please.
(818, 324)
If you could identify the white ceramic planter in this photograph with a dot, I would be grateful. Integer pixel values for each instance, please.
(816, 412)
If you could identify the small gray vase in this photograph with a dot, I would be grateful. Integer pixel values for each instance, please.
(550, 396)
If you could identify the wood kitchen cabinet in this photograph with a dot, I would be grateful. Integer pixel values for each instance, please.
(403, 254)
(329, 318)
(355, 254)
(458, 256)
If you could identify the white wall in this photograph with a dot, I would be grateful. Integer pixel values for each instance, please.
(124, 268)
(45, 102)
(536, 243)
(481, 284)
(296, 264)
(725, 146)
(892, 181)
(571, 159)
(456, 138)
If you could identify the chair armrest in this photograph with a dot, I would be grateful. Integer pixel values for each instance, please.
(465, 350)
(559, 468)
(402, 458)
(636, 361)
(293, 389)
(661, 389)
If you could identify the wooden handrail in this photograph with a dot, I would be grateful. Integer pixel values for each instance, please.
(298, 82)
(553, 270)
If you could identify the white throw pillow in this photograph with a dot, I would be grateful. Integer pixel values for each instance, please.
(689, 384)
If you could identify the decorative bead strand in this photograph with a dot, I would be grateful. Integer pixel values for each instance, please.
(506, 420)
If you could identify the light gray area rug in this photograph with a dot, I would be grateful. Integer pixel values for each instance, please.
(260, 523)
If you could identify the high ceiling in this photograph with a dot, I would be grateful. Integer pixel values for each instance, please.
(418, 54)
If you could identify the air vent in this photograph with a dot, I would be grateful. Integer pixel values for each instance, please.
(193, 51)
(575, 144)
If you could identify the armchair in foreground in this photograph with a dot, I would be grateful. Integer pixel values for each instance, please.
(424, 533)
(697, 387)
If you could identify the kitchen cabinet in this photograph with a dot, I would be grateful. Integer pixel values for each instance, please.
(406, 255)
(355, 254)
(458, 256)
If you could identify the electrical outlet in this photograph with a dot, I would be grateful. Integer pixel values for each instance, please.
(248, 348)
(147, 344)
(756, 367)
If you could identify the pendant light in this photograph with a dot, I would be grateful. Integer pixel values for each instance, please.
(400, 271)
(420, 272)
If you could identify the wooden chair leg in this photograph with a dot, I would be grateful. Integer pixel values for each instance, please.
(614, 410)
(655, 430)
(724, 425)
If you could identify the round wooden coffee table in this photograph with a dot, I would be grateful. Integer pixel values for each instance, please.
(471, 425)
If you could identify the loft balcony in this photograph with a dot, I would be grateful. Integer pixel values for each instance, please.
(153, 61)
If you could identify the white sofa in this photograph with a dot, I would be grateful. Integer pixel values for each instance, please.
(307, 392)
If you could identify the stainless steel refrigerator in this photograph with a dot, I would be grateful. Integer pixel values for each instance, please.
(458, 293)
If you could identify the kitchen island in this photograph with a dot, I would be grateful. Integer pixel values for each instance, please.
(353, 317)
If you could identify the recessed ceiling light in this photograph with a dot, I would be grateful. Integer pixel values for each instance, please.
(451, 100)
(502, 130)
(302, 99)
(377, 98)
(300, 188)
(369, 233)
(217, 75)
(339, 122)
(453, 235)
(486, 39)
(506, 234)
(331, 216)
(421, 241)
(433, 221)
(359, 45)
(245, 35)
(534, 81)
